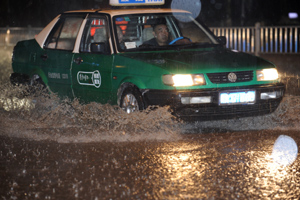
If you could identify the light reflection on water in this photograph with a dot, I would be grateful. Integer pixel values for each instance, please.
(196, 170)
(184, 167)
(15, 103)
(271, 179)
(198, 166)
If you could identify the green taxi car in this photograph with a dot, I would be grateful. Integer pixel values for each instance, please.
(136, 58)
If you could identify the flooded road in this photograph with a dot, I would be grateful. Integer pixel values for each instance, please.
(231, 165)
(61, 149)
(52, 149)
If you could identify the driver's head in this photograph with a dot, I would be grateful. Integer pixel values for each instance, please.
(161, 34)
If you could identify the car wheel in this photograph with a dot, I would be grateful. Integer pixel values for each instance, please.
(131, 100)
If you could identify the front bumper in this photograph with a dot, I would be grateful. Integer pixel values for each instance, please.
(212, 110)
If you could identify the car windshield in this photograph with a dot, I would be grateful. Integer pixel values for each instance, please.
(173, 30)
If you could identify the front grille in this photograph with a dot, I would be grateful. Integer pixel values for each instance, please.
(222, 77)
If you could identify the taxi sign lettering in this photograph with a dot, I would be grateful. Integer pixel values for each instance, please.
(131, 1)
(136, 2)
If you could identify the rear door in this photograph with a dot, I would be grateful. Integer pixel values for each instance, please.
(91, 71)
(57, 55)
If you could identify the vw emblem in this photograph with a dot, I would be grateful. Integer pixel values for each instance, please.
(232, 77)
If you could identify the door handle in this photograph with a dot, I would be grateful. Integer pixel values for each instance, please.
(78, 60)
(44, 57)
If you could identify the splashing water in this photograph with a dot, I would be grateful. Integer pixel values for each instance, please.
(286, 117)
(41, 117)
(48, 117)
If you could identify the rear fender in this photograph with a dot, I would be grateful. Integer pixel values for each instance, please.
(40, 75)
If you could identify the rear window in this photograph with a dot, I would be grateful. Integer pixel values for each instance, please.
(64, 33)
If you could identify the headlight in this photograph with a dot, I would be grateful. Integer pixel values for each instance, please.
(267, 74)
(184, 79)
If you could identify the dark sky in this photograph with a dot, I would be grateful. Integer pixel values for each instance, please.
(39, 13)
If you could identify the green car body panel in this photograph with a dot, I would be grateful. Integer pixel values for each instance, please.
(92, 76)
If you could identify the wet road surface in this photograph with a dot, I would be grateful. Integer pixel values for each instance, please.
(64, 150)
(224, 165)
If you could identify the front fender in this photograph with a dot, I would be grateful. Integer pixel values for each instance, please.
(135, 81)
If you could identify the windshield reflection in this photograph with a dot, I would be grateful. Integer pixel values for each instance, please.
(142, 31)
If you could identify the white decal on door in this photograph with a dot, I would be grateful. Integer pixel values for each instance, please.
(89, 78)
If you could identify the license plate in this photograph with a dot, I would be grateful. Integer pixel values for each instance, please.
(240, 97)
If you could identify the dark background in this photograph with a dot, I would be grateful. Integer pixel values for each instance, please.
(38, 13)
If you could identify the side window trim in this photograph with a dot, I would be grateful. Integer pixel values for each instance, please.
(86, 31)
(44, 34)
(57, 26)
(57, 29)
(80, 35)
(59, 33)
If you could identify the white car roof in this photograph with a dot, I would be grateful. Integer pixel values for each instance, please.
(130, 11)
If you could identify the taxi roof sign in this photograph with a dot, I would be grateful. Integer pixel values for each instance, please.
(136, 2)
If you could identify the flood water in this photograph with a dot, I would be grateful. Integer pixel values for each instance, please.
(198, 166)
(61, 149)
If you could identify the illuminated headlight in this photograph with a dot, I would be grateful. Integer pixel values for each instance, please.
(267, 74)
(184, 79)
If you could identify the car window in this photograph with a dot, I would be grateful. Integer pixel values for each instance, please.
(137, 30)
(95, 31)
(64, 33)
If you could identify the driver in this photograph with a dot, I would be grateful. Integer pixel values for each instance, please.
(160, 33)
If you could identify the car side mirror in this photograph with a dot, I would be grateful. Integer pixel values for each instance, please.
(222, 40)
(100, 47)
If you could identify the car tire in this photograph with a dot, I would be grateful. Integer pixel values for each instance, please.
(131, 100)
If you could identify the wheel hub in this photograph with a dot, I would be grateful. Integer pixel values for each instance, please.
(130, 104)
